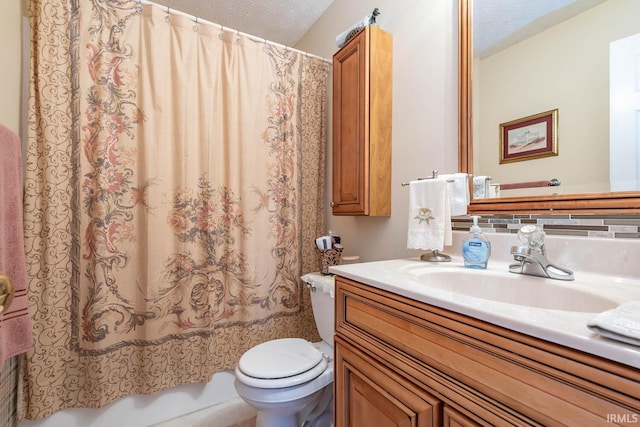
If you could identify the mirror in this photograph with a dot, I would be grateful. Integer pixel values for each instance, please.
(570, 198)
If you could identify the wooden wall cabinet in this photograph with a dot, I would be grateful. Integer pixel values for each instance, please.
(362, 82)
(400, 362)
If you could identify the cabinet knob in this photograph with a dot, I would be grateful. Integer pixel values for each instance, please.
(332, 204)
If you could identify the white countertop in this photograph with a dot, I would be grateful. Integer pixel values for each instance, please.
(567, 328)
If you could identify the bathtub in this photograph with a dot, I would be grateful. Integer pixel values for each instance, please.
(144, 411)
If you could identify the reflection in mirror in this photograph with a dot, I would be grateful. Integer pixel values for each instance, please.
(561, 61)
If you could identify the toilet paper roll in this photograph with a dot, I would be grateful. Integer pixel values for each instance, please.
(343, 38)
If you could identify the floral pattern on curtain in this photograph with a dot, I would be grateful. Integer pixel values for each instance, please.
(175, 177)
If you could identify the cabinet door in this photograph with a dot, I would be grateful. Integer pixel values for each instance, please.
(350, 131)
(369, 394)
(453, 418)
(362, 116)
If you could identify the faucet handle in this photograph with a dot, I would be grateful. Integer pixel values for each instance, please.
(531, 236)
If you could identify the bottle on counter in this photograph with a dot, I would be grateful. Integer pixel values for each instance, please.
(476, 248)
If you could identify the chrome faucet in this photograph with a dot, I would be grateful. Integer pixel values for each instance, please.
(531, 257)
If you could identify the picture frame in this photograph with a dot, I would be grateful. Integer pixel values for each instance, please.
(530, 137)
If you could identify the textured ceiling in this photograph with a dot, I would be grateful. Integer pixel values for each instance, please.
(280, 21)
(498, 24)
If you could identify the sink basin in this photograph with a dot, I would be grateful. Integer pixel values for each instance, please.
(517, 289)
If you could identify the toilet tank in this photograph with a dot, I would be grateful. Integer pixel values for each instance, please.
(322, 301)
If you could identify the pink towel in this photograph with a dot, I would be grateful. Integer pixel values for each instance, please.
(15, 323)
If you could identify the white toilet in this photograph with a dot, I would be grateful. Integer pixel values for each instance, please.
(289, 381)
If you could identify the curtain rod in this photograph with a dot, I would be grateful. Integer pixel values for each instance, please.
(222, 27)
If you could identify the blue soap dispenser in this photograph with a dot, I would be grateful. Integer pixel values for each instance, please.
(476, 248)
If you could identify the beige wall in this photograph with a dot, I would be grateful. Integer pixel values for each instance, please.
(425, 108)
(10, 71)
(565, 67)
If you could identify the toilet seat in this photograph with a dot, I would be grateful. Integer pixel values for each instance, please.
(281, 363)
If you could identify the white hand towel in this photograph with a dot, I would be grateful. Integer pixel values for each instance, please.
(480, 187)
(621, 323)
(458, 188)
(429, 215)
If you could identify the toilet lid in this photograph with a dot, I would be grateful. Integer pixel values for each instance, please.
(280, 358)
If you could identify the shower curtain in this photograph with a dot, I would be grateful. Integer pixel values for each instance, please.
(174, 187)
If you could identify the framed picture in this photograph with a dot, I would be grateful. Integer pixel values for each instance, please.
(529, 138)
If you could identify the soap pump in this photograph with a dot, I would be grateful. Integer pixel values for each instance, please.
(476, 248)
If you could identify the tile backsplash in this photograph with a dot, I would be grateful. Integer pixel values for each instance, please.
(612, 226)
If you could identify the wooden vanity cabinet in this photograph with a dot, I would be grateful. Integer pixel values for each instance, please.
(377, 396)
(362, 82)
(401, 362)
